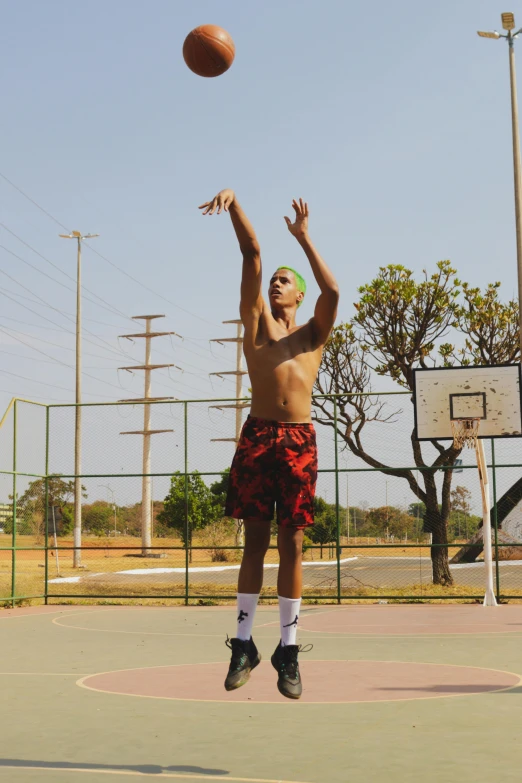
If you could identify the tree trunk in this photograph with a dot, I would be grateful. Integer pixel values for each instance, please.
(438, 526)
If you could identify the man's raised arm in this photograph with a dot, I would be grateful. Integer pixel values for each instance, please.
(326, 306)
(226, 201)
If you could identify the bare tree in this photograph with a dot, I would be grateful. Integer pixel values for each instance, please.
(398, 324)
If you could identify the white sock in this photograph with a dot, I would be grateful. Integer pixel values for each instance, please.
(246, 610)
(289, 609)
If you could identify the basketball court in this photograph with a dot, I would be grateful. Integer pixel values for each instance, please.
(391, 693)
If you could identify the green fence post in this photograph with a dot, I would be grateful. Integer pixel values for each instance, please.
(185, 412)
(338, 543)
(495, 515)
(13, 534)
(46, 572)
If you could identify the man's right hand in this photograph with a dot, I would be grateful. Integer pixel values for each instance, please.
(221, 202)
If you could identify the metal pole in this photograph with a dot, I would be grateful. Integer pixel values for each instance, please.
(516, 171)
(387, 512)
(489, 597)
(46, 577)
(338, 546)
(347, 512)
(146, 538)
(55, 544)
(186, 505)
(495, 515)
(77, 555)
(13, 535)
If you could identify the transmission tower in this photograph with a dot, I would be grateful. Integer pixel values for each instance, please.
(146, 432)
(238, 372)
(238, 406)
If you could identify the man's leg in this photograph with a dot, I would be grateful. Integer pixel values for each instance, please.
(245, 655)
(289, 581)
(250, 582)
(289, 587)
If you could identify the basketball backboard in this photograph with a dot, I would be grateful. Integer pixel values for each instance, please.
(491, 394)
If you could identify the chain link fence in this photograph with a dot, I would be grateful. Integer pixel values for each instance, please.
(369, 541)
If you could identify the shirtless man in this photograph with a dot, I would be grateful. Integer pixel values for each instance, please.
(276, 459)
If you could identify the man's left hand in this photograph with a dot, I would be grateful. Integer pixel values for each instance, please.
(300, 227)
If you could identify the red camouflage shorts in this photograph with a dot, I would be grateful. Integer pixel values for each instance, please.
(275, 464)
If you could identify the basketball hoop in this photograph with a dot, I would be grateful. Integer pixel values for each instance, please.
(465, 432)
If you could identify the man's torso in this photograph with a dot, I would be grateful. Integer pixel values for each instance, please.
(282, 367)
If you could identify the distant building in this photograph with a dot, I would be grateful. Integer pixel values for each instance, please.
(6, 511)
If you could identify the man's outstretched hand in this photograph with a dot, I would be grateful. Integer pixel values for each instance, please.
(221, 202)
(300, 227)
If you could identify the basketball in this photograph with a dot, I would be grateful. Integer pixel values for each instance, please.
(209, 50)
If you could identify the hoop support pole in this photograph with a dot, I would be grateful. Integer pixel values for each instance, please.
(489, 597)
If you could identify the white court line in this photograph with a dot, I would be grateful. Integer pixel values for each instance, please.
(481, 564)
(202, 570)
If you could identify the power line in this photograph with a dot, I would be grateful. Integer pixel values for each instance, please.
(33, 201)
(57, 361)
(46, 304)
(63, 328)
(52, 385)
(64, 312)
(58, 282)
(107, 260)
(55, 345)
(146, 287)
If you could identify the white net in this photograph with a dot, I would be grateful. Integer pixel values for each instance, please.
(465, 432)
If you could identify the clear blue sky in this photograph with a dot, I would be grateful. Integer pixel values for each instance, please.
(391, 119)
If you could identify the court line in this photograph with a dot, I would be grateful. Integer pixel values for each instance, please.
(330, 634)
(33, 614)
(135, 773)
(41, 674)
(81, 684)
(419, 635)
(307, 614)
(139, 633)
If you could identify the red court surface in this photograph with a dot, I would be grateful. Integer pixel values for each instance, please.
(327, 682)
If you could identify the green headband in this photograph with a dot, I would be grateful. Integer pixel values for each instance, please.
(299, 281)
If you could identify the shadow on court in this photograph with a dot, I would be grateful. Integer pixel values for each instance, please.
(144, 769)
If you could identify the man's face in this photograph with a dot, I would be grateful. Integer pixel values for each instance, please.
(283, 290)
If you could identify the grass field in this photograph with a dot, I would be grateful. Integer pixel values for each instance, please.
(103, 558)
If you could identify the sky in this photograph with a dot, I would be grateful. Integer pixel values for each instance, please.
(391, 120)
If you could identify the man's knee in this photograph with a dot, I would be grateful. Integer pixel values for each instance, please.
(290, 543)
(257, 537)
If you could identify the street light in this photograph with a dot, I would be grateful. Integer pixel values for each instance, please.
(508, 24)
(77, 554)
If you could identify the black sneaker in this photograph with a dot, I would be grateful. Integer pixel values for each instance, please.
(284, 661)
(245, 657)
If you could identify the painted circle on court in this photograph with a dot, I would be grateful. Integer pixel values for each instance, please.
(397, 620)
(323, 682)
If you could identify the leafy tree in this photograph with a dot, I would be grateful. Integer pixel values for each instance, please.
(461, 510)
(491, 329)
(219, 488)
(324, 529)
(390, 521)
(30, 506)
(199, 508)
(98, 518)
(398, 324)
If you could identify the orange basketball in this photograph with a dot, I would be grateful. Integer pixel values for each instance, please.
(209, 50)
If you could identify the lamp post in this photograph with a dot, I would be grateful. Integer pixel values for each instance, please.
(508, 24)
(77, 554)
